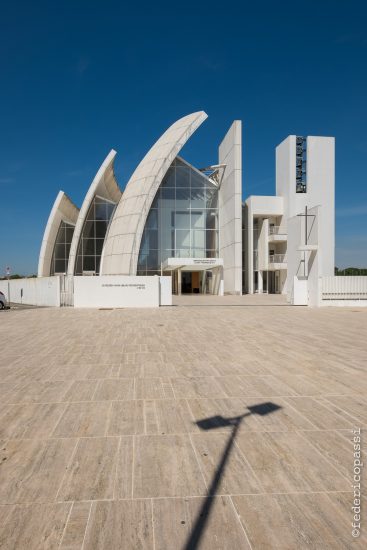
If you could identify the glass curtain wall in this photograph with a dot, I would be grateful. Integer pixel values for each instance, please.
(183, 220)
(60, 256)
(93, 235)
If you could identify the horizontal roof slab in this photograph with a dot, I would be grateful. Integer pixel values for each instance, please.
(191, 264)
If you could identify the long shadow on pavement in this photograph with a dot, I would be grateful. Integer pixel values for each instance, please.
(209, 424)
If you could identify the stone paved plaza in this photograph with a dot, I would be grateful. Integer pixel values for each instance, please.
(215, 424)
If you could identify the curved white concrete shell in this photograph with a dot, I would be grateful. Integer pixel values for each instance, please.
(104, 185)
(63, 210)
(122, 243)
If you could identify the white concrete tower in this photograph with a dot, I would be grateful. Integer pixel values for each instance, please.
(230, 208)
(305, 177)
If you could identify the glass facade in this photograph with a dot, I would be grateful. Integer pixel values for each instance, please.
(183, 220)
(93, 235)
(60, 256)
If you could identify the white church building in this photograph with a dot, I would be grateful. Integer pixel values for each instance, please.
(175, 228)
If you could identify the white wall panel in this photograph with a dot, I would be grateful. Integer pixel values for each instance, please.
(230, 209)
(116, 291)
(40, 291)
(165, 291)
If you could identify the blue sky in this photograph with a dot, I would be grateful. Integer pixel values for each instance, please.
(79, 78)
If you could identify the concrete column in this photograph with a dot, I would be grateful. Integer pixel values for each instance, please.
(179, 279)
(250, 249)
(203, 282)
(221, 281)
(260, 281)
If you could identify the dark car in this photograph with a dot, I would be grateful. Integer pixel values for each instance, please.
(2, 300)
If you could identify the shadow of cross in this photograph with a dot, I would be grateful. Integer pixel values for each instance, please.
(212, 423)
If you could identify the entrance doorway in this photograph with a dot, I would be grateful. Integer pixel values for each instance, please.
(195, 275)
(190, 282)
(273, 282)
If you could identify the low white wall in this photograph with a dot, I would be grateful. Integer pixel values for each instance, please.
(116, 291)
(343, 291)
(344, 288)
(165, 291)
(299, 292)
(40, 291)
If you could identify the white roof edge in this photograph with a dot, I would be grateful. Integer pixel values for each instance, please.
(122, 244)
(63, 209)
(264, 205)
(93, 189)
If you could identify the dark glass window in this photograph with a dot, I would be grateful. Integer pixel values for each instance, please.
(183, 220)
(93, 235)
(60, 256)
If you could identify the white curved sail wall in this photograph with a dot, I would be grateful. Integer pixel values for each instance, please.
(122, 243)
(63, 210)
(105, 186)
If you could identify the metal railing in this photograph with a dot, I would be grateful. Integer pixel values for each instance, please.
(277, 258)
(344, 288)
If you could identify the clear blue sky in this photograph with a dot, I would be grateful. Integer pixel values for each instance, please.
(79, 78)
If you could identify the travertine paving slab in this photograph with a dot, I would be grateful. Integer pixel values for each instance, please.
(244, 367)
(75, 528)
(334, 447)
(69, 372)
(157, 370)
(353, 409)
(30, 421)
(153, 388)
(41, 392)
(175, 520)
(331, 385)
(127, 418)
(197, 387)
(99, 371)
(81, 390)
(285, 461)
(345, 375)
(317, 413)
(236, 477)
(112, 390)
(189, 370)
(5, 511)
(125, 468)
(119, 525)
(130, 370)
(32, 470)
(151, 417)
(174, 416)
(166, 466)
(300, 520)
(83, 420)
(7, 391)
(34, 526)
(301, 385)
(253, 386)
(91, 473)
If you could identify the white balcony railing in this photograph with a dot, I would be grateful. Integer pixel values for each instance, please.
(277, 259)
(276, 230)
